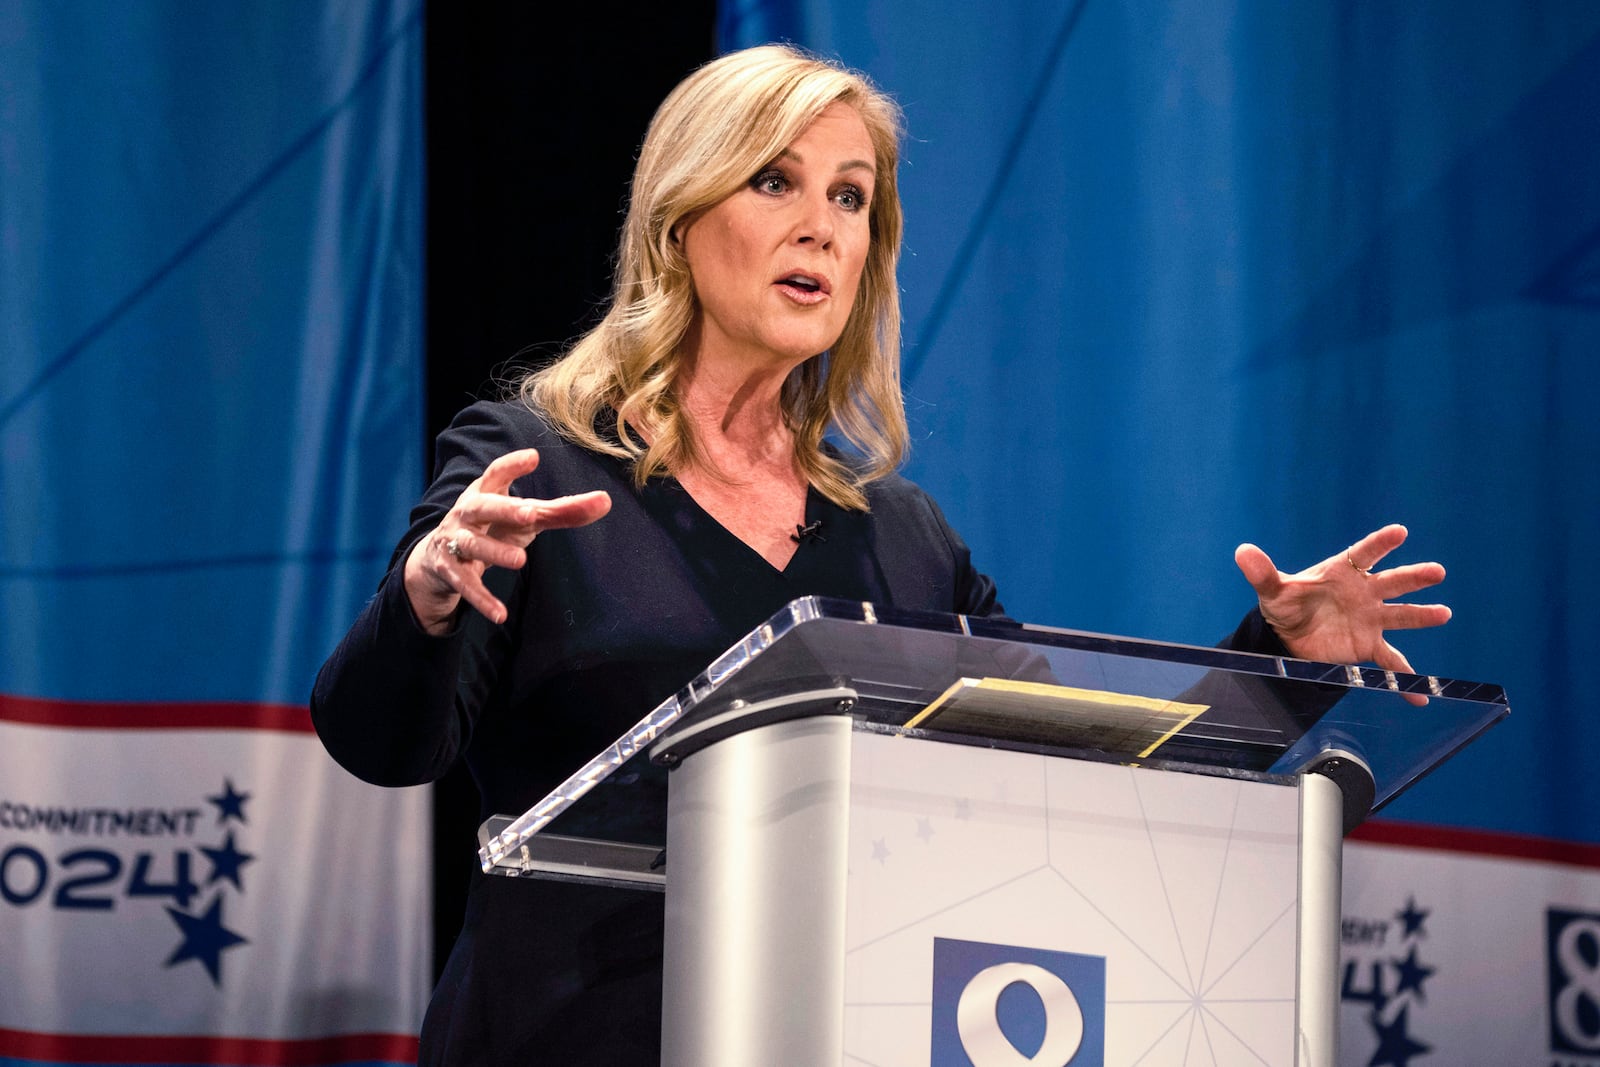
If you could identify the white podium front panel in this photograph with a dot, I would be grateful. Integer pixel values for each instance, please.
(1007, 908)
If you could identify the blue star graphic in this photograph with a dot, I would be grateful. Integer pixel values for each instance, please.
(1395, 1046)
(226, 862)
(204, 939)
(1413, 918)
(230, 804)
(1412, 974)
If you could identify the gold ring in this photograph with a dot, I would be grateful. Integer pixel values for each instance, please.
(1365, 572)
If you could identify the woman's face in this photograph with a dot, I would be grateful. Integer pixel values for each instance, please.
(776, 264)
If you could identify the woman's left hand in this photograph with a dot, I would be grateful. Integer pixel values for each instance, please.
(1338, 610)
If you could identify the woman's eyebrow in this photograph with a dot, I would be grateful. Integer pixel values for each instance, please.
(849, 164)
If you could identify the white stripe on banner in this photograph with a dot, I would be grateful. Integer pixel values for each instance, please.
(1453, 958)
(172, 892)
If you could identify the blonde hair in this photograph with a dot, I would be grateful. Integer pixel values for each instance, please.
(719, 127)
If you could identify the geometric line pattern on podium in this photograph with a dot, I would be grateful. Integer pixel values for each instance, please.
(1195, 1005)
(1195, 994)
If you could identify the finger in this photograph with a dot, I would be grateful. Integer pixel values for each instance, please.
(564, 513)
(1398, 581)
(1414, 616)
(1392, 659)
(492, 509)
(532, 515)
(1258, 569)
(1366, 552)
(466, 581)
(498, 475)
(482, 548)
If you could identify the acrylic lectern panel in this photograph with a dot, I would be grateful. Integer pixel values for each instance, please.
(1179, 707)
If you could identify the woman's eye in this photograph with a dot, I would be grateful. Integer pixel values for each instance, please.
(851, 199)
(770, 182)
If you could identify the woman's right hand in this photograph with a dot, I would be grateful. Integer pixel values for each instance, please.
(486, 527)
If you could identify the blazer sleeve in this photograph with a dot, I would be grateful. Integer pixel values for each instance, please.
(393, 704)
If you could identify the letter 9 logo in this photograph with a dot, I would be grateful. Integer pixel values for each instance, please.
(1013, 1006)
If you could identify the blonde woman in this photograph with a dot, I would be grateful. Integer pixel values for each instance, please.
(675, 463)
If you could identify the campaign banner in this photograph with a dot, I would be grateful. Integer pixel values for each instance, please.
(210, 412)
(178, 880)
(1462, 948)
(203, 884)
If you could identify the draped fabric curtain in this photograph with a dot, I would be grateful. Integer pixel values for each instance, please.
(1181, 275)
(210, 426)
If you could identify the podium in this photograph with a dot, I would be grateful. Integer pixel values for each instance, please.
(909, 838)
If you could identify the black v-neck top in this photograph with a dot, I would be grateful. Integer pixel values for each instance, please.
(605, 622)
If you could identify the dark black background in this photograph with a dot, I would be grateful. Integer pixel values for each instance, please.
(533, 119)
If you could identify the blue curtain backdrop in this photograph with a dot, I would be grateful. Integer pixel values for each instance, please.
(210, 420)
(210, 319)
(1184, 274)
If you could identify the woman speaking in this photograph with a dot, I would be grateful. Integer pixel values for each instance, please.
(589, 544)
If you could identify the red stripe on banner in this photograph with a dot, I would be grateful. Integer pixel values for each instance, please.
(222, 1051)
(1477, 842)
(93, 715)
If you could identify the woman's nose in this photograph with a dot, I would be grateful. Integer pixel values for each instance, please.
(815, 222)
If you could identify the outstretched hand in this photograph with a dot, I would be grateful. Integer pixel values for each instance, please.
(1337, 611)
(487, 527)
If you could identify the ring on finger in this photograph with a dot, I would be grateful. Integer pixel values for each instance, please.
(1365, 572)
(453, 546)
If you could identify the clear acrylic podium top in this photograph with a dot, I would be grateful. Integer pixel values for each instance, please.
(1003, 684)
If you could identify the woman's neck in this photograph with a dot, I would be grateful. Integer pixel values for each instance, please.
(737, 418)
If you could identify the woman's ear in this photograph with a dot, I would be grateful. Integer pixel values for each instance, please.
(680, 226)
